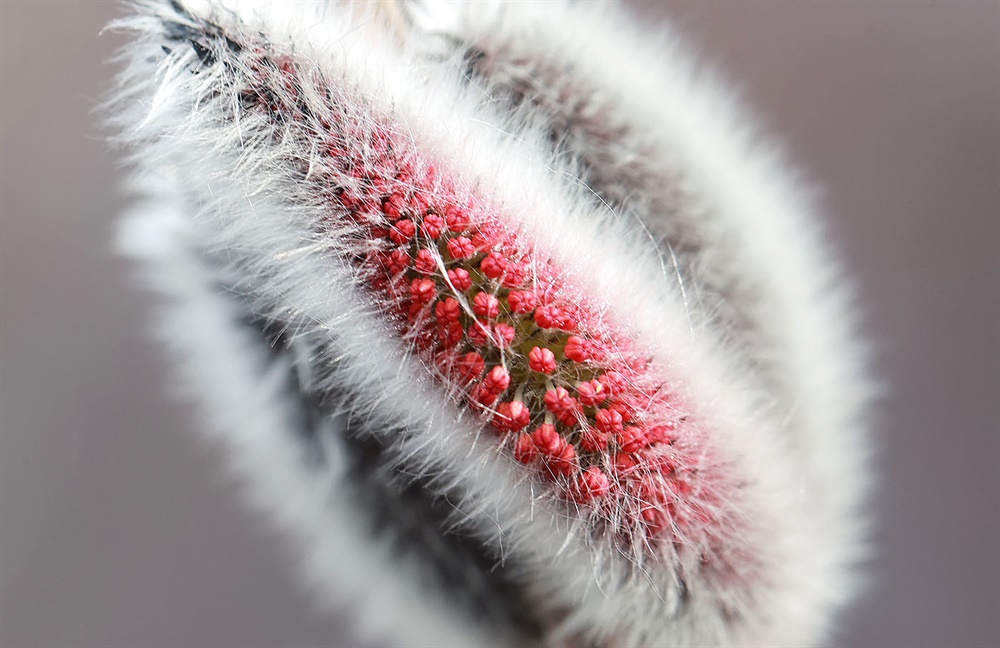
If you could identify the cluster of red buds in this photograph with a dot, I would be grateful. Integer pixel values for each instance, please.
(504, 328)
(404, 192)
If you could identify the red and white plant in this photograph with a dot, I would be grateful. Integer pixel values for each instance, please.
(405, 308)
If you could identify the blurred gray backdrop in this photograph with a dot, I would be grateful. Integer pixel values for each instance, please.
(117, 526)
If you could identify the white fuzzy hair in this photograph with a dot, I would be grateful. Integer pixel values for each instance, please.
(243, 398)
(795, 476)
(658, 133)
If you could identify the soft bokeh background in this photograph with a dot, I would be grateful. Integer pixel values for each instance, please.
(117, 527)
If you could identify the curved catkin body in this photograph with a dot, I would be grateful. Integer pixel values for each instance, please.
(640, 151)
(525, 59)
(656, 138)
(289, 452)
(467, 350)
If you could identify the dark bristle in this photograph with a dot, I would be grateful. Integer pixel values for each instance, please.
(403, 508)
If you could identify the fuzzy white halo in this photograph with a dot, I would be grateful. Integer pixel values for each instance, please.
(235, 230)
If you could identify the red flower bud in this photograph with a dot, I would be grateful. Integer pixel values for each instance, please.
(483, 396)
(521, 302)
(568, 319)
(577, 348)
(460, 248)
(485, 305)
(542, 360)
(393, 205)
(524, 449)
(493, 266)
(398, 261)
(608, 421)
(613, 382)
(593, 440)
(504, 334)
(402, 231)
(448, 310)
(632, 439)
(511, 416)
(514, 276)
(565, 407)
(590, 484)
(655, 519)
(485, 237)
(432, 226)
(450, 334)
(479, 333)
(426, 263)
(414, 311)
(460, 279)
(547, 439)
(457, 218)
(660, 434)
(556, 400)
(423, 290)
(591, 392)
(497, 380)
(421, 202)
(547, 317)
(624, 464)
(350, 199)
(625, 409)
(563, 463)
(470, 366)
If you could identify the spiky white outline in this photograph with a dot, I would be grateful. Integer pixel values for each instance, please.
(243, 398)
(685, 158)
(249, 212)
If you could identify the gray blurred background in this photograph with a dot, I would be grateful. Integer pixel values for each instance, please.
(117, 526)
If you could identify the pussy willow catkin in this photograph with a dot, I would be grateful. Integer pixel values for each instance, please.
(503, 316)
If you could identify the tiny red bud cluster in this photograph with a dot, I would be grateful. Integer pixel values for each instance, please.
(590, 484)
(493, 266)
(461, 248)
(402, 231)
(577, 349)
(608, 421)
(423, 290)
(486, 305)
(566, 391)
(521, 301)
(542, 360)
(591, 392)
(511, 416)
(448, 310)
(497, 380)
(460, 279)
